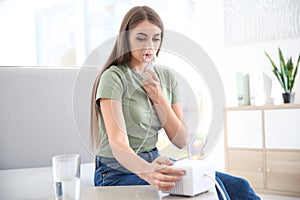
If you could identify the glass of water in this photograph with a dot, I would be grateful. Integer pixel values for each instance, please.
(66, 176)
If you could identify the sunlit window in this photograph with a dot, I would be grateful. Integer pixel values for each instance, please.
(64, 32)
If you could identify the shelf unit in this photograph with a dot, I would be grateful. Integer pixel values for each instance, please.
(262, 144)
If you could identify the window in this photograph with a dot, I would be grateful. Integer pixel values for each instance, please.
(64, 32)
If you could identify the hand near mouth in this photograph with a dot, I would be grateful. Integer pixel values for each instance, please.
(151, 84)
(150, 76)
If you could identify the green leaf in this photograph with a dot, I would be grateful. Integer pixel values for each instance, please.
(276, 71)
(289, 69)
(284, 73)
(295, 72)
(281, 59)
(278, 75)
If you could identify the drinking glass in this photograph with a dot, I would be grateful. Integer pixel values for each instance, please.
(66, 176)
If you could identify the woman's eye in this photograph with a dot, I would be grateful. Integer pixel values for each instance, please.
(141, 39)
(156, 39)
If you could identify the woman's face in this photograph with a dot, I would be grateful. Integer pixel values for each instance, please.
(144, 41)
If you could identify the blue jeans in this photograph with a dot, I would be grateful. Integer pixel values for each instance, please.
(109, 172)
(235, 188)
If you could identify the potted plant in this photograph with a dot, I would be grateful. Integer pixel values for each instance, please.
(286, 74)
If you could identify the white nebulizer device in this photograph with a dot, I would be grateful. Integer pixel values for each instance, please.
(199, 178)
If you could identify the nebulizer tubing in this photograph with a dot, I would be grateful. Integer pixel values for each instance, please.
(150, 60)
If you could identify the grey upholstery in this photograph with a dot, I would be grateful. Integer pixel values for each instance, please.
(38, 115)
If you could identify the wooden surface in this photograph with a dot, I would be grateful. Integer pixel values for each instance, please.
(263, 107)
(269, 170)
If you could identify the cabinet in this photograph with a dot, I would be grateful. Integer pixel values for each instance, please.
(262, 144)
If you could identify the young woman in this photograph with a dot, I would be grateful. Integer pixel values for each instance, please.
(131, 103)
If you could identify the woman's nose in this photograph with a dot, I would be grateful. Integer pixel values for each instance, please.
(149, 44)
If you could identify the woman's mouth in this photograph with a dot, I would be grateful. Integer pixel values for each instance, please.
(148, 57)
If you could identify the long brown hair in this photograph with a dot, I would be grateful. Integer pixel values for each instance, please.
(120, 55)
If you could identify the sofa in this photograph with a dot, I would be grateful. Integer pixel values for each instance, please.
(44, 111)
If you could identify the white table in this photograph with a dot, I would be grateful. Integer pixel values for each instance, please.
(146, 192)
(37, 183)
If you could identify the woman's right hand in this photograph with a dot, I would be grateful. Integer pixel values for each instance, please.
(162, 176)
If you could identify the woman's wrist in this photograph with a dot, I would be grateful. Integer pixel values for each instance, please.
(146, 169)
(142, 175)
(160, 100)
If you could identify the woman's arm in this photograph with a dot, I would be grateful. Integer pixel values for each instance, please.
(154, 173)
(117, 135)
(170, 116)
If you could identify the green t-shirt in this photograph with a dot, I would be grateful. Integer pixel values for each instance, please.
(124, 84)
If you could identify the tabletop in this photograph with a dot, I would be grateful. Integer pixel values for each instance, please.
(137, 192)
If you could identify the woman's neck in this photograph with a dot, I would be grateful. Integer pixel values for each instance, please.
(138, 67)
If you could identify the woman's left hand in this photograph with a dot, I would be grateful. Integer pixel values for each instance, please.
(151, 84)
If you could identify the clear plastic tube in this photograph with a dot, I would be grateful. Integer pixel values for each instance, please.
(150, 59)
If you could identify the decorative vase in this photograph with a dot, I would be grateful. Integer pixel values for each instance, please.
(267, 88)
(243, 92)
(288, 97)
